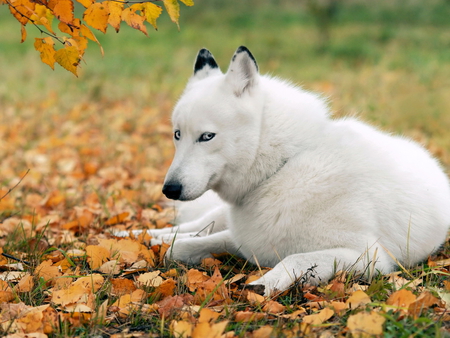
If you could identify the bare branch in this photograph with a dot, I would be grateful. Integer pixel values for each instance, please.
(11, 189)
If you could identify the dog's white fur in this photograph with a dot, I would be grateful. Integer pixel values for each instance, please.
(300, 189)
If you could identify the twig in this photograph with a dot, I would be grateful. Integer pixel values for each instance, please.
(11, 189)
(35, 25)
(15, 258)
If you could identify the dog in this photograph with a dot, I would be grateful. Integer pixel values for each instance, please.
(291, 188)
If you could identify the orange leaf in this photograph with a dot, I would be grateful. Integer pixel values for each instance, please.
(22, 10)
(194, 278)
(97, 255)
(248, 316)
(72, 30)
(181, 329)
(89, 168)
(25, 284)
(423, 302)
(86, 3)
(273, 307)
(63, 10)
(401, 299)
(134, 20)
(47, 271)
(319, 318)
(254, 299)
(115, 13)
(209, 330)
(121, 286)
(54, 199)
(96, 16)
(263, 332)
(167, 287)
(23, 34)
(207, 315)
(117, 219)
(69, 58)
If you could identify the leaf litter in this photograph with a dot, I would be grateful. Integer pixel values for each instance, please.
(62, 267)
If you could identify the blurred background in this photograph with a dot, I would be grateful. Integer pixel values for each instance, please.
(387, 61)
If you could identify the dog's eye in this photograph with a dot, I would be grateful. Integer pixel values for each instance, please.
(176, 135)
(205, 137)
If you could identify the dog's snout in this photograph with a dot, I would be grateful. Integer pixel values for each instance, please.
(172, 190)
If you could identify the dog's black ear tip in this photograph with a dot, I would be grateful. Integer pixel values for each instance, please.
(242, 49)
(204, 58)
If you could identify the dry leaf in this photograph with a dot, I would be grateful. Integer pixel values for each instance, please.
(401, 299)
(273, 307)
(318, 318)
(207, 315)
(248, 316)
(96, 16)
(357, 299)
(365, 324)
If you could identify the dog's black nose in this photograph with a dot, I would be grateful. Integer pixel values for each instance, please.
(172, 190)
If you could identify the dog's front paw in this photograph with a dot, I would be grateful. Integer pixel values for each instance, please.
(271, 284)
(186, 250)
(169, 238)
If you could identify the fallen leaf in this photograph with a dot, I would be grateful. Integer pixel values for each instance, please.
(150, 279)
(181, 329)
(401, 300)
(274, 307)
(365, 324)
(207, 315)
(357, 299)
(248, 316)
(318, 318)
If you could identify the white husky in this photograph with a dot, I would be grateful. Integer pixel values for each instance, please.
(300, 189)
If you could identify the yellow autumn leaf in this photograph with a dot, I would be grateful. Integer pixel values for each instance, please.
(357, 299)
(151, 12)
(134, 20)
(115, 13)
(69, 58)
(88, 33)
(96, 16)
(173, 9)
(188, 2)
(43, 16)
(365, 324)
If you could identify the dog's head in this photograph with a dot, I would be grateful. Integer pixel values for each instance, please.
(216, 125)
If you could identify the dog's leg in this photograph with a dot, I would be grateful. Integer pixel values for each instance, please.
(321, 265)
(193, 250)
(212, 222)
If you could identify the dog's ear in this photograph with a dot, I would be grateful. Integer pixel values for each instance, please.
(243, 71)
(205, 65)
